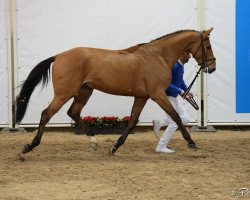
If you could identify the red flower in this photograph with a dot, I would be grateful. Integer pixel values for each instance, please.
(89, 120)
(127, 118)
(106, 121)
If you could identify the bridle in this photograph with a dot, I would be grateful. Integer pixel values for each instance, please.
(203, 65)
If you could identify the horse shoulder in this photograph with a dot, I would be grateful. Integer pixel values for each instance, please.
(157, 78)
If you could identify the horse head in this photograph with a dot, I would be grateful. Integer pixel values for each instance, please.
(203, 53)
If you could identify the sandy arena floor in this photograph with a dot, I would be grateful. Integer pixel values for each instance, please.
(64, 167)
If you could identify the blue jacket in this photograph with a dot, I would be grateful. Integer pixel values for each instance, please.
(177, 84)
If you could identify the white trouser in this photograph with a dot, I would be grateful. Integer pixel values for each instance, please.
(172, 126)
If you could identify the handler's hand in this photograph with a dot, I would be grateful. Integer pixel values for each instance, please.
(189, 95)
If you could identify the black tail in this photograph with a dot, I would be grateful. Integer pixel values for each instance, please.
(40, 72)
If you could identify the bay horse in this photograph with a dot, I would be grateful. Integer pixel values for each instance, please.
(142, 71)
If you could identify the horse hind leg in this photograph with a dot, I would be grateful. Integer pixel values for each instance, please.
(53, 108)
(75, 109)
(138, 105)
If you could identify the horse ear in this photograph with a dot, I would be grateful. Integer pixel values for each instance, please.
(207, 33)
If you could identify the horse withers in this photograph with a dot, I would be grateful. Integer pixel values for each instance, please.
(142, 71)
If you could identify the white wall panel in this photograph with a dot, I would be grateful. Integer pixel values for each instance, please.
(222, 84)
(46, 27)
(3, 64)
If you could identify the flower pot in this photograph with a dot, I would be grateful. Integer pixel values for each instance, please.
(93, 130)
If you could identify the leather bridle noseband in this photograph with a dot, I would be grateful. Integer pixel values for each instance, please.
(203, 65)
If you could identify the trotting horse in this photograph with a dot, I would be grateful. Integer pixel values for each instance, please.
(142, 71)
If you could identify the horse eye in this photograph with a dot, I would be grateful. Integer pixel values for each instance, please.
(209, 47)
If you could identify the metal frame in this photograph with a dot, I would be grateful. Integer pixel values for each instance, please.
(202, 80)
(9, 54)
(12, 60)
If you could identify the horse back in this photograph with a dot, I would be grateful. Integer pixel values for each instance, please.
(109, 71)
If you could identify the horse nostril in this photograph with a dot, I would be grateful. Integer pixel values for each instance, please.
(211, 71)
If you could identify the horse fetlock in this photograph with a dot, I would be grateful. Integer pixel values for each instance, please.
(192, 146)
(112, 150)
(26, 149)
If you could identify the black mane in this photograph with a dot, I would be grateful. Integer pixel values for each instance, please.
(169, 34)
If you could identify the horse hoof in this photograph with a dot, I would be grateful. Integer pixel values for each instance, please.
(20, 156)
(112, 150)
(93, 145)
(192, 146)
(25, 149)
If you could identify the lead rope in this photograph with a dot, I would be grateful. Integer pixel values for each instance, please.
(191, 99)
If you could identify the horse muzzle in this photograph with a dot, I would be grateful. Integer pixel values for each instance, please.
(208, 70)
(211, 71)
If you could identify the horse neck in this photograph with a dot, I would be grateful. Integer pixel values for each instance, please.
(172, 47)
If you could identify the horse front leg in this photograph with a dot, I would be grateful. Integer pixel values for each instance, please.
(138, 105)
(162, 100)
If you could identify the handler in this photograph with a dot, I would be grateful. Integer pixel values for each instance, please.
(176, 87)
